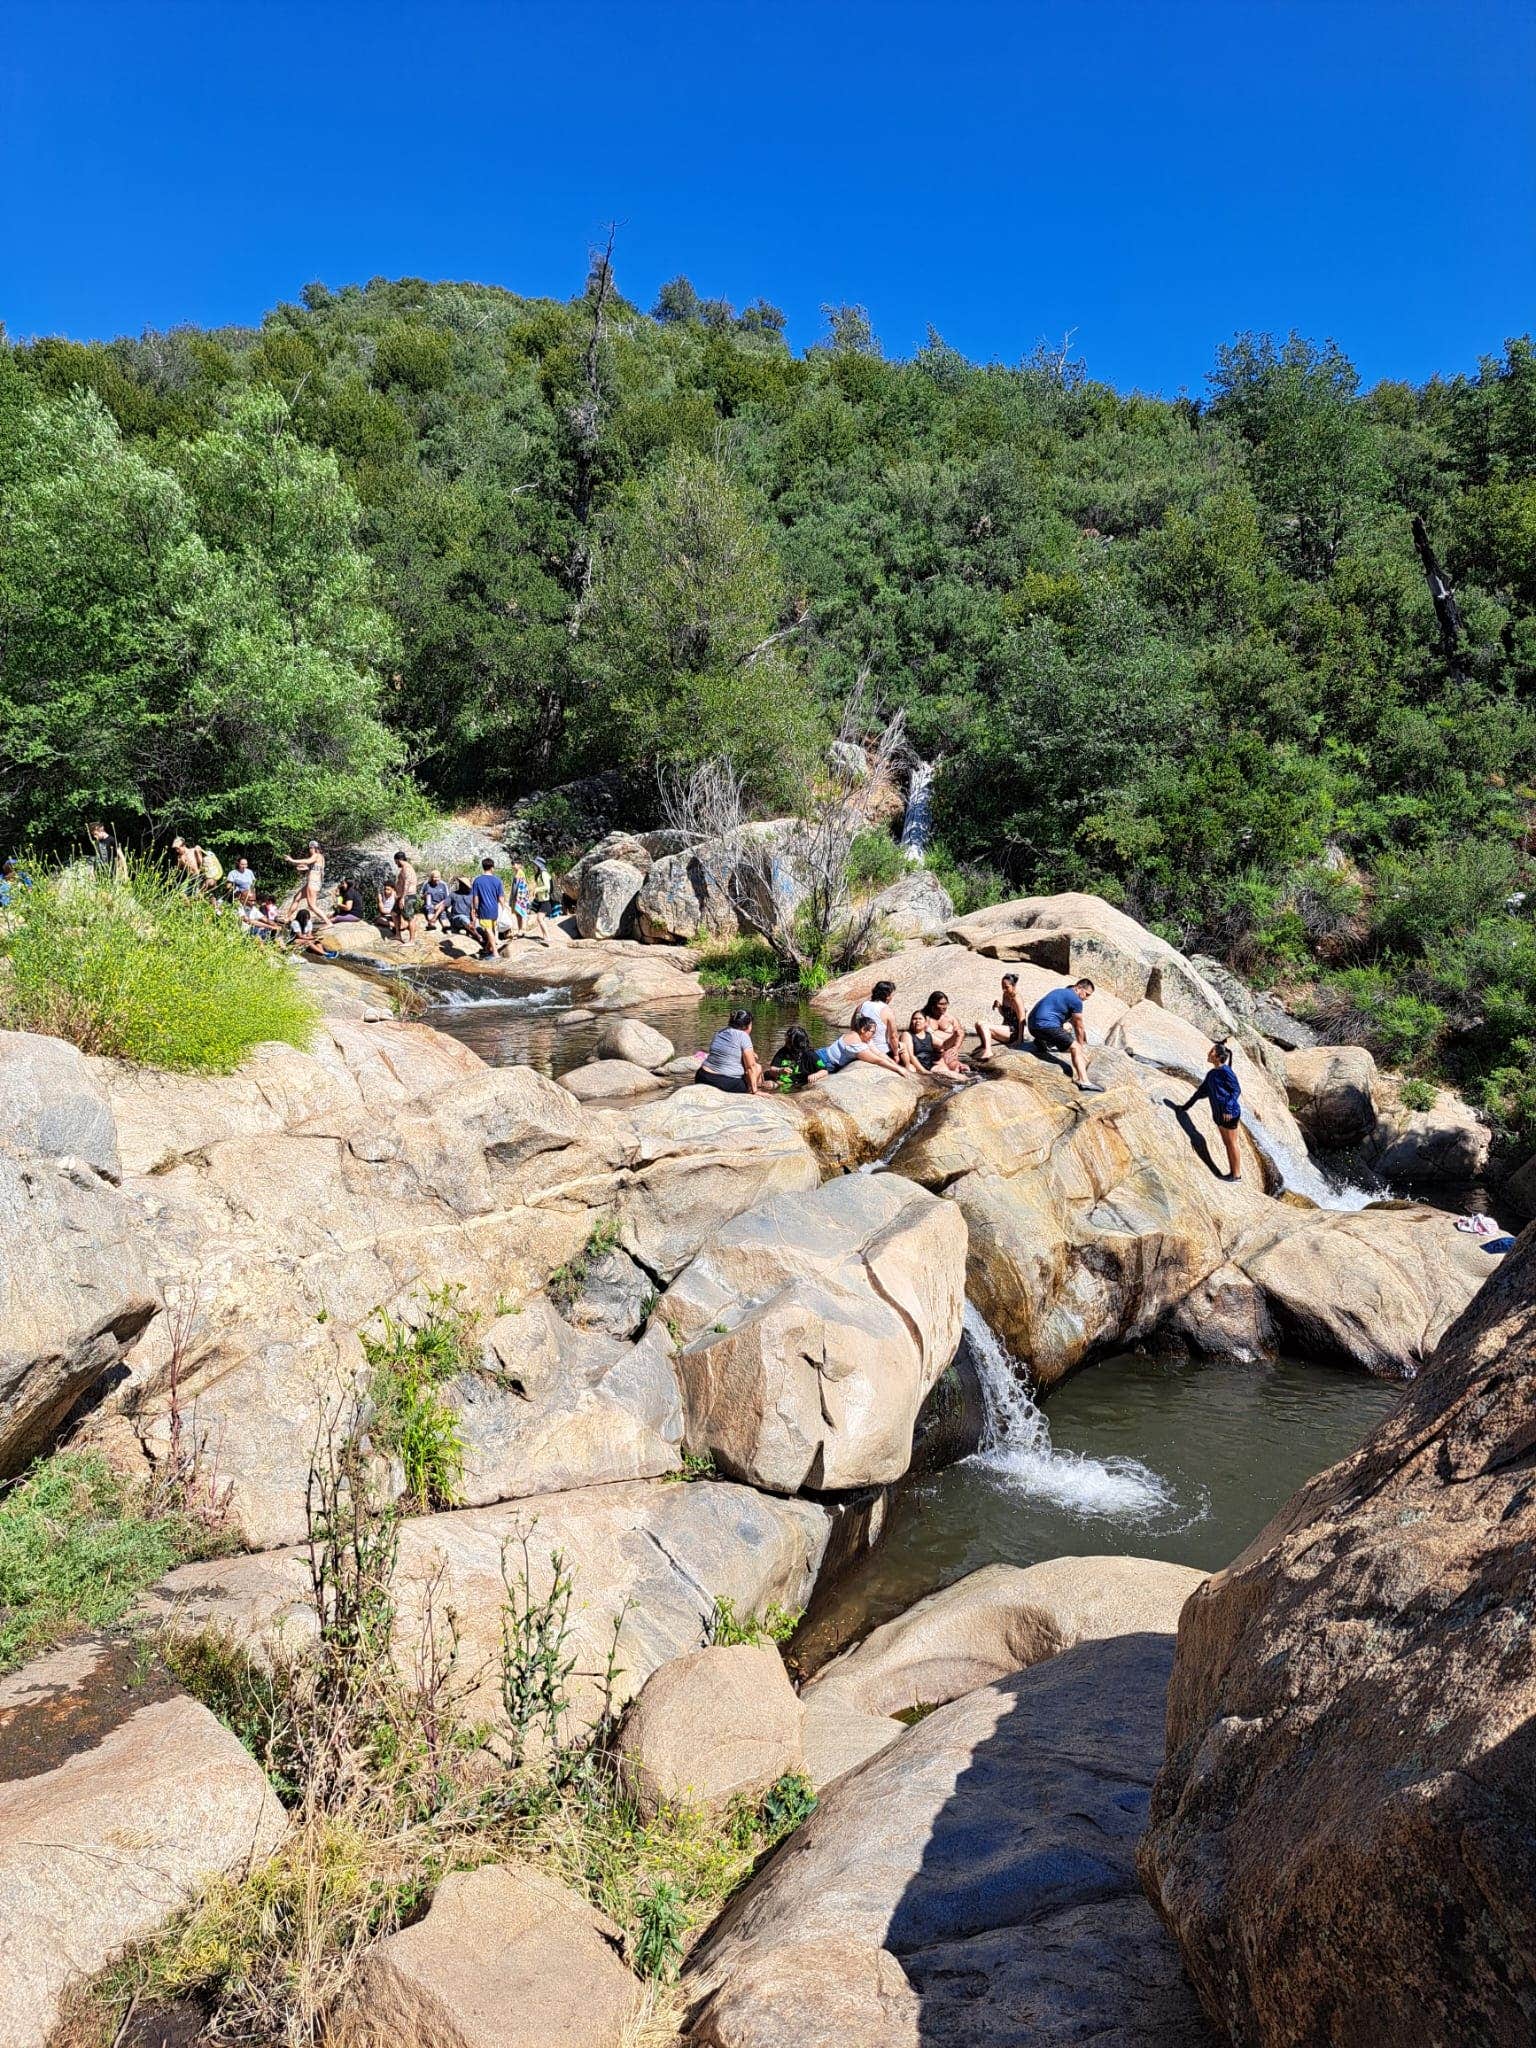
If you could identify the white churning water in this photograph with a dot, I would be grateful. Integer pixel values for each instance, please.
(467, 999)
(915, 825)
(1016, 1444)
(1300, 1175)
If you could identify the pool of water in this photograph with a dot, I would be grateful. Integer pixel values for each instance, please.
(528, 1030)
(1139, 1455)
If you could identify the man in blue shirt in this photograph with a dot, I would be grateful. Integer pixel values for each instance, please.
(487, 891)
(1049, 1023)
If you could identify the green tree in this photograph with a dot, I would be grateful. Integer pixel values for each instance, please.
(189, 652)
(684, 629)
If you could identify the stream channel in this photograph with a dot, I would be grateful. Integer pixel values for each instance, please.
(1149, 1453)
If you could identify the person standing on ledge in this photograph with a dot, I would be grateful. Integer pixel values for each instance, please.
(1049, 1025)
(1224, 1092)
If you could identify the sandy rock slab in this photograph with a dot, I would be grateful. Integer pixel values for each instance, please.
(1343, 1839)
(813, 1327)
(649, 1558)
(119, 1800)
(507, 1957)
(971, 1886)
(74, 1294)
(722, 1722)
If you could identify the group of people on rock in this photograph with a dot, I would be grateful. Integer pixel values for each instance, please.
(931, 1044)
(486, 908)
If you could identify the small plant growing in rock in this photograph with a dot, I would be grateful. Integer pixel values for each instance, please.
(786, 1805)
(1417, 1093)
(535, 1664)
(658, 1942)
(409, 1420)
(775, 1625)
(566, 1281)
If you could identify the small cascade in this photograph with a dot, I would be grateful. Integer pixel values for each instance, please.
(917, 824)
(1299, 1175)
(451, 998)
(920, 1116)
(1016, 1443)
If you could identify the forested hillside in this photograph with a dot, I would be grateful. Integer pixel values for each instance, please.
(438, 538)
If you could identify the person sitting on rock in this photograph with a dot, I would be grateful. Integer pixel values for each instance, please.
(461, 906)
(434, 901)
(856, 1043)
(1224, 1092)
(920, 1044)
(1008, 1007)
(388, 898)
(241, 879)
(348, 908)
(877, 1007)
(948, 1035)
(795, 1061)
(1050, 1029)
(731, 1065)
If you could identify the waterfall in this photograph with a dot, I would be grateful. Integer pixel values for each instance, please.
(1300, 1175)
(916, 824)
(1016, 1443)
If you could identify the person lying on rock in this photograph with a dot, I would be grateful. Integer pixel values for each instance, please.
(731, 1065)
(1051, 1030)
(794, 1062)
(1008, 1007)
(856, 1043)
(1224, 1092)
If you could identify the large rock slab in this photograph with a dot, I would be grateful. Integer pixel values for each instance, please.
(1089, 936)
(853, 1117)
(1344, 1836)
(708, 1728)
(278, 1209)
(916, 907)
(1447, 1144)
(611, 1081)
(649, 1557)
(696, 1158)
(1095, 1220)
(507, 1957)
(74, 1293)
(999, 1620)
(626, 1038)
(686, 896)
(972, 1885)
(813, 1326)
(550, 1407)
(605, 899)
(1333, 1092)
(120, 1798)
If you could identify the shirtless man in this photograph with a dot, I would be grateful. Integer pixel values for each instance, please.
(188, 858)
(405, 896)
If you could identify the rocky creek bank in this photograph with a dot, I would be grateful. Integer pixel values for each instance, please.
(663, 1282)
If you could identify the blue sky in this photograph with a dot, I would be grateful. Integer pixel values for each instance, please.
(1154, 176)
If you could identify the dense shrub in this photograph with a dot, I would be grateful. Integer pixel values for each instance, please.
(142, 970)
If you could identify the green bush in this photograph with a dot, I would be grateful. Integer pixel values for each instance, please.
(875, 860)
(1369, 1006)
(1418, 1094)
(77, 1547)
(741, 963)
(1509, 1092)
(143, 971)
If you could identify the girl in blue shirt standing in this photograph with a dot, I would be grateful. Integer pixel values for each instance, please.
(1223, 1091)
